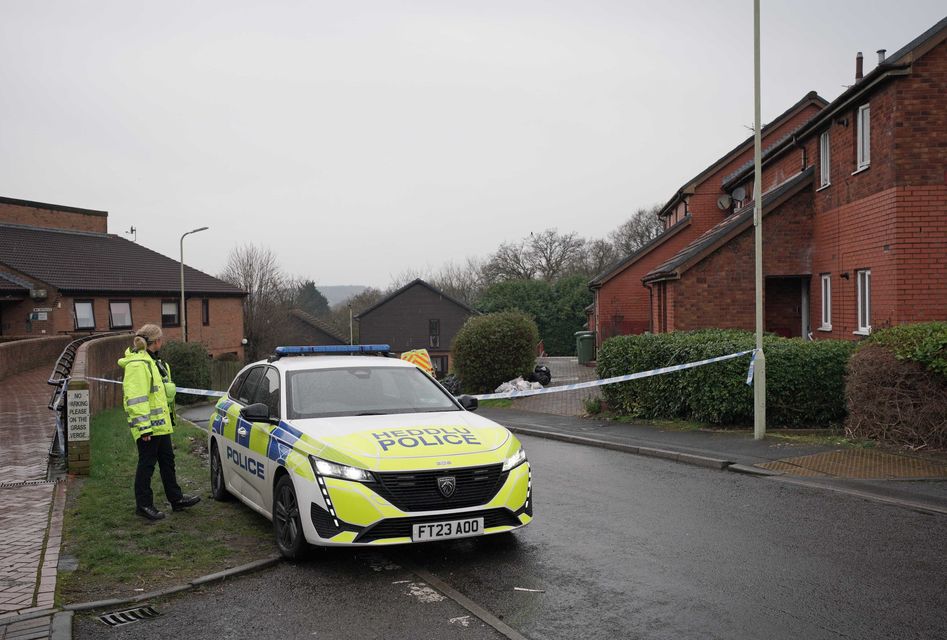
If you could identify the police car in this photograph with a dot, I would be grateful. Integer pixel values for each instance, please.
(338, 446)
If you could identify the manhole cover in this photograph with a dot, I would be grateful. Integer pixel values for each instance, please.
(128, 616)
(858, 463)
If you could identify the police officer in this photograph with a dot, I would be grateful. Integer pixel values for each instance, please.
(149, 405)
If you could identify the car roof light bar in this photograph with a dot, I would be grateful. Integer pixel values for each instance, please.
(329, 349)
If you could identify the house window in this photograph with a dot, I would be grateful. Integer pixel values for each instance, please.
(864, 301)
(440, 366)
(169, 313)
(434, 331)
(863, 136)
(120, 314)
(85, 317)
(205, 312)
(824, 160)
(826, 302)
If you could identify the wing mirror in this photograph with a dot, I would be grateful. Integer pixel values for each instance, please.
(257, 412)
(468, 402)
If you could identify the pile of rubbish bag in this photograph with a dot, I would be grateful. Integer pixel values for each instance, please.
(517, 384)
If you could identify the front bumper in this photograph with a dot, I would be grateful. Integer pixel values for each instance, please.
(348, 513)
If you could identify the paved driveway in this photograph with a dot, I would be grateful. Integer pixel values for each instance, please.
(565, 370)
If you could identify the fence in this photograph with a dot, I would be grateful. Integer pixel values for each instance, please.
(222, 373)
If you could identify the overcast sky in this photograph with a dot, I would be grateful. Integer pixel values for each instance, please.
(364, 139)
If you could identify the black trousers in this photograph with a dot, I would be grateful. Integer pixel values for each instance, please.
(157, 449)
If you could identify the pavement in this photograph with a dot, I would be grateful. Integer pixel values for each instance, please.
(31, 507)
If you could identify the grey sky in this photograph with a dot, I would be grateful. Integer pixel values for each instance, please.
(362, 139)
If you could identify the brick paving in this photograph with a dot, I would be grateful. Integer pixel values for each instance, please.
(568, 403)
(30, 507)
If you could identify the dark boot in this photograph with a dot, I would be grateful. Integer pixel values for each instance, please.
(150, 513)
(185, 502)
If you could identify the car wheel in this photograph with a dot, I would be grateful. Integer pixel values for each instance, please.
(287, 526)
(218, 487)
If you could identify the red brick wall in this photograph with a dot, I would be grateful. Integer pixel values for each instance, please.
(920, 140)
(920, 249)
(719, 290)
(52, 218)
(624, 296)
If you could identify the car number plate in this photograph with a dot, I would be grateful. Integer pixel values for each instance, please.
(443, 530)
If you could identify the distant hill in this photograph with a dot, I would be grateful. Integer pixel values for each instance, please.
(340, 292)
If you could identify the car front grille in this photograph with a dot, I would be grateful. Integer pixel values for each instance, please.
(417, 491)
(402, 527)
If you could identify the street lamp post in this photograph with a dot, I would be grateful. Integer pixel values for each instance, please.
(183, 302)
(759, 375)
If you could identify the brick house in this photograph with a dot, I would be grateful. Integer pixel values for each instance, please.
(854, 206)
(416, 316)
(621, 305)
(62, 272)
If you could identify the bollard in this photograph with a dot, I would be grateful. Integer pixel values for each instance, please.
(78, 414)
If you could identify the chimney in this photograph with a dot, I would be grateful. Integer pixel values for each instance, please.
(858, 67)
(881, 56)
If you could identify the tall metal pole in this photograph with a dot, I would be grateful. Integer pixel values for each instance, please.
(183, 302)
(759, 373)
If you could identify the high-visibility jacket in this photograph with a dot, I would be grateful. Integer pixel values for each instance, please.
(148, 395)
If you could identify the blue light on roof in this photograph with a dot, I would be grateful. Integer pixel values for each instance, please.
(333, 349)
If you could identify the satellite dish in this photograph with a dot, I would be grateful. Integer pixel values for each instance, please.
(723, 202)
(739, 193)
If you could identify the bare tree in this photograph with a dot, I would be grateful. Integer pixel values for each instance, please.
(341, 313)
(270, 295)
(461, 281)
(635, 232)
(512, 261)
(555, 254)
(598, 255)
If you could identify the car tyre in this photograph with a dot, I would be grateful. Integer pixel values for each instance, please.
(218, 486)
(287, 524)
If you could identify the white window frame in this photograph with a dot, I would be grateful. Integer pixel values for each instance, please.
(177, 315)
(112, 323)
(863, 299)
(826, 302)
(825, 159)
(863, 137)
(75, 306)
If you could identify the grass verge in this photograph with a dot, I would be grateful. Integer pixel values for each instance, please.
(121, 554)
(496, 403)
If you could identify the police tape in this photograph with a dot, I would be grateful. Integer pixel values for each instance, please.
(536, 392)
(187, 390)
(614, 380)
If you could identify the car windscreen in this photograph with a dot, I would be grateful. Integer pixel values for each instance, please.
(360, 391)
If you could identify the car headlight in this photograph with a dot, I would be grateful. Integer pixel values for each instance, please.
(336, 470)
(515, 460)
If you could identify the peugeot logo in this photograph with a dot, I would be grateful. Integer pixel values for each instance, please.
(447, 485)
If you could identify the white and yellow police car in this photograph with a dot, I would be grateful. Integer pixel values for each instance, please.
(338, 446)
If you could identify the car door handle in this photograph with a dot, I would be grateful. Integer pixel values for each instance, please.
(241, 432)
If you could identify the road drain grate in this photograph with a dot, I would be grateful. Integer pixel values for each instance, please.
(118, 618)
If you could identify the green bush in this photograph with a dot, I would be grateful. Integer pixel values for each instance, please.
(804, 380)
(493, 348)
(924, 343)
(190, 367)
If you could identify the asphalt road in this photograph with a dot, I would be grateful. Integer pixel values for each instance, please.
(622, 547)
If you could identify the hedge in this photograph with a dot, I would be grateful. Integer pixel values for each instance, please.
(897, 387)
(804, 379)
(190, 367)
(924, 343)
(493, 348)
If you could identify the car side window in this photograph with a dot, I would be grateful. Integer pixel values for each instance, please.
(248, 390)
(267, 391)
(237, 383)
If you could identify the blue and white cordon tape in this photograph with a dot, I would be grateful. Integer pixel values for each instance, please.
(193, 392)
(605, 381)
(535, 392)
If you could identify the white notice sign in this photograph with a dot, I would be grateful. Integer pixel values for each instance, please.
(77, 414)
